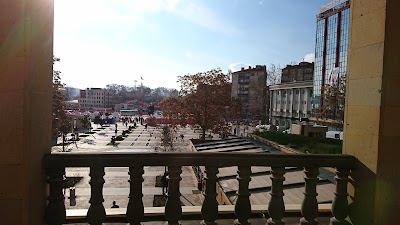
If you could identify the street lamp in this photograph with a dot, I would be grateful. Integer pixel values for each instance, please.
(76, 130)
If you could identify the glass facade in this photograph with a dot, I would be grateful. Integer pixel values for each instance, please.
(332, 33)
(344, 42)
(319, 57)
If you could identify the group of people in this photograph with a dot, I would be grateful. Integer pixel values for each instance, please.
(128, 119)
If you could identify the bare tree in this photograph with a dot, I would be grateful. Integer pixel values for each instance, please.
(274, 73)
(333, 100)
(71, 93)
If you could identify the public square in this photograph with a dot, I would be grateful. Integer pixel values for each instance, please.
(116, 186)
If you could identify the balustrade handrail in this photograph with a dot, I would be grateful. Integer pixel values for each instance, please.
(56, 163)
(219, 159)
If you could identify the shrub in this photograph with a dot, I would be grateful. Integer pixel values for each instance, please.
(119, 138)
(314, 145)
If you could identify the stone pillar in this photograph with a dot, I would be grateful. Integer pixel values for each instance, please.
(26, 49)
(372, 111)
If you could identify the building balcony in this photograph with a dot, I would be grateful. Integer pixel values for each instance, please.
(210, 211)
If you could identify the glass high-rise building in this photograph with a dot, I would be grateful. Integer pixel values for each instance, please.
(331, 48)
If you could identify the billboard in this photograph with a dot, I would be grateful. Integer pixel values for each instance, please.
(334, 77)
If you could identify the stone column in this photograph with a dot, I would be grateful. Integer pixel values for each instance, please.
(372, 111)
(26, 50)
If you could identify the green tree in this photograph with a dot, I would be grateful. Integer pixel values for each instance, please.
(60, 122)
(85, 122)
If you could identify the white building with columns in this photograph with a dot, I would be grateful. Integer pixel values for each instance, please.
(290, 102)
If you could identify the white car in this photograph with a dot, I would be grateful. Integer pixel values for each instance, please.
(334, 135)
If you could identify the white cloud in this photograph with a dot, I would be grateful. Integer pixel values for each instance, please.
(310, 57)
(238, 66)
(261, 2)
(80, 14)
(206, 17)
(97, 65)
(88, 61)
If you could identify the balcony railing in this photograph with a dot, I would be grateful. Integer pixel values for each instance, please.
(55, 165)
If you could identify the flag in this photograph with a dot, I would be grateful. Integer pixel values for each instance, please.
(141, 78)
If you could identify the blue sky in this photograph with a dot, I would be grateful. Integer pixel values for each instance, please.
(102, 42)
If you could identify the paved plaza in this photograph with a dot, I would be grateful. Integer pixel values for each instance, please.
(116, 187)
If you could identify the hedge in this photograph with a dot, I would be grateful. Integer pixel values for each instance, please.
(314, 145)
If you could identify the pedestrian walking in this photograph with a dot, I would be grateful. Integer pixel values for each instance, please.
(114, 205)
(164, 182)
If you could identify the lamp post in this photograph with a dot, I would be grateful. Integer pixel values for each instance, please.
(76, 130)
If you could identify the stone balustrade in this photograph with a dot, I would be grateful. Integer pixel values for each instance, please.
(55, 165)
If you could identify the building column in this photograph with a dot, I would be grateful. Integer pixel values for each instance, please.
(308, 105)
(372, 111)
(26, 52)
(300, 103)
(292, 104)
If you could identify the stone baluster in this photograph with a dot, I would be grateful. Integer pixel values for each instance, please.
(135, 210)
(209, 210)
(309, 207)
(276, 206)
(96, 214)
(55, 211)
(340, 205)
(173, 208)
(243, 207)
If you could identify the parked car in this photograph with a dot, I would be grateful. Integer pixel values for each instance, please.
(287, 131)
(334, 135)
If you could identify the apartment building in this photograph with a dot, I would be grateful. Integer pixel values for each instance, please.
(304, 71)
(250, 86)
(94, 98)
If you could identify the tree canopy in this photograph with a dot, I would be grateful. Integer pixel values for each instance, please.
(205, 98)
(60, 122)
